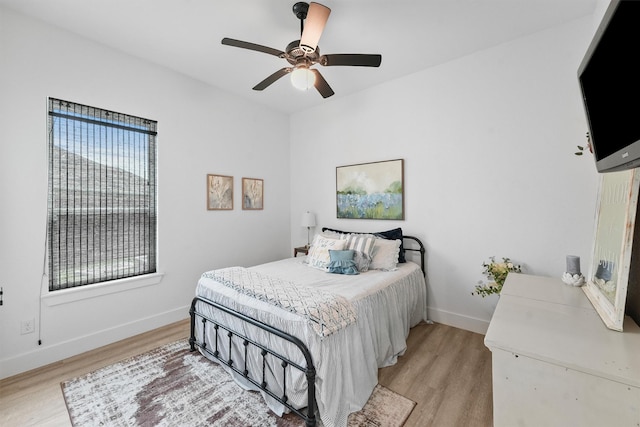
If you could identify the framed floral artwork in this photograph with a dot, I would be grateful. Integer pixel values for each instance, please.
(252, 194)
(371, 190)
(219, 192)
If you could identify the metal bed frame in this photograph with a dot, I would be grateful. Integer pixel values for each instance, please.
(240, 367)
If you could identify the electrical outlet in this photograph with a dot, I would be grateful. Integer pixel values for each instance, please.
(27, 327)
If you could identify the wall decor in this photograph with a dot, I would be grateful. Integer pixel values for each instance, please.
(252, 194)
(219, 192)
(608, 277)
(371, 190)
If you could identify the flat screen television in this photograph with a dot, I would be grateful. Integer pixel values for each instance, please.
(609, 77)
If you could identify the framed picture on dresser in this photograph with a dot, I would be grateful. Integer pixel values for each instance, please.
(610, 269)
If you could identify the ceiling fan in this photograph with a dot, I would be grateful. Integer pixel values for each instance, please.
(304, 53)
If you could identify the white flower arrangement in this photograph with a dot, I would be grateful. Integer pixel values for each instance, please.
(497, 272)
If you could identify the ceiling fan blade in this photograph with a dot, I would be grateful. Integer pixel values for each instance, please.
(317, 17)
(321, 85)
(252, 46)
(352, 59)
(272, 78)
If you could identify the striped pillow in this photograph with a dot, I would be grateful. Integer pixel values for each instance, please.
(362, 245)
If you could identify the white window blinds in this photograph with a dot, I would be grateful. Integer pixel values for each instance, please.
(102, 195)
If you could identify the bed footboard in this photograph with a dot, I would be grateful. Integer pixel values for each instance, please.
(223, 332)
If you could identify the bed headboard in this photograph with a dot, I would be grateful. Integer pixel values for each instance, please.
(414, 241)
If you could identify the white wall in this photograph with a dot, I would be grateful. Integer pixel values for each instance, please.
(200, 130)
(488, 143)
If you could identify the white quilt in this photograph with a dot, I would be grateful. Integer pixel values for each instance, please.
(387, 305)
(325, 312)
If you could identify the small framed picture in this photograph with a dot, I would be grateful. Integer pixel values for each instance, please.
(252, 194)
(219, 192)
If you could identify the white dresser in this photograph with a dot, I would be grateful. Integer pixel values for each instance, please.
(554, 361)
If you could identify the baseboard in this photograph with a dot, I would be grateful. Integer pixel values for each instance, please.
(53, 353)
(456, 320)
(49, 354)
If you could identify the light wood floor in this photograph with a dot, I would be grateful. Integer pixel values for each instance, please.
(447, 371)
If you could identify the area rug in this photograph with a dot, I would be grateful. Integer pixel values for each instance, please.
(171, 386)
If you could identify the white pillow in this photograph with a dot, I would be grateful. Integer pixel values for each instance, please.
(333, 234)
(385, 255)
(318, 256)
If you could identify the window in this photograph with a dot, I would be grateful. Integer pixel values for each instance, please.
(102, 195)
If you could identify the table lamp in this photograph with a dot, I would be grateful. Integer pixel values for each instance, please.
(308, 220)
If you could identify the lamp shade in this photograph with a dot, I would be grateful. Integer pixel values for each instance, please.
(302, 78)
(308, 219)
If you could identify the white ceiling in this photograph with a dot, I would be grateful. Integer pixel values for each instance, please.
(185, 35)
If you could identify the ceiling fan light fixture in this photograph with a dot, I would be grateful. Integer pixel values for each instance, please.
(302, 78)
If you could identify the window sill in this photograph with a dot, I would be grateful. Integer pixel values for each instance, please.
(65, 296)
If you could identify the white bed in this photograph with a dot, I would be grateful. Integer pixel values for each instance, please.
(386, 305)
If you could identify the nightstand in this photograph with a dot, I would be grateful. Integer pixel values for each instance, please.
(301, 250)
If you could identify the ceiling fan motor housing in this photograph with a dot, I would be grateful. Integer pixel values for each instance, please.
(294, 52)
(300, 10)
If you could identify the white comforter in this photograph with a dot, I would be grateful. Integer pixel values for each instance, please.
(387, 305)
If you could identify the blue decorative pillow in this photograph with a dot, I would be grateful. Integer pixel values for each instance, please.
(341, 262)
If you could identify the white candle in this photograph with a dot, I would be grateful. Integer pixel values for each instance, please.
(573, 264)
